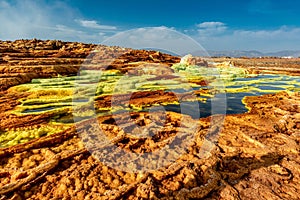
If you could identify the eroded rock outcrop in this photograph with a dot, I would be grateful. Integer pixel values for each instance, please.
(266, 65)
(254, 155)
(252, 159)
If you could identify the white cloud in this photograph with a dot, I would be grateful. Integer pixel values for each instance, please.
(283, 32)
(55, 20)
(4, 4)
(282, 38)
(210, 24)
(159, 38)
(94, 24)
(211, 28)
(44, 20)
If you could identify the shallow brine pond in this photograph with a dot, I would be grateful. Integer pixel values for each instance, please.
(68, 97)
(64, 94)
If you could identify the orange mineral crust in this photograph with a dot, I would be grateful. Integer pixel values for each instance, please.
(45, 154)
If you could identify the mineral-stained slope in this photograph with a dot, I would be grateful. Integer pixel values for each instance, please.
(257, 157)
(23, 60)
(266, 64)
(254, 156)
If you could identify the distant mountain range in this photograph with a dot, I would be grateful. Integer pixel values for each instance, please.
(288, 53)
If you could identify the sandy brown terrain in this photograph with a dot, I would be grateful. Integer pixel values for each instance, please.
(290, 66)
(255, 156)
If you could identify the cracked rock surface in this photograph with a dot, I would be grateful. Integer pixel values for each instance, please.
(252, 160)
(254, 155)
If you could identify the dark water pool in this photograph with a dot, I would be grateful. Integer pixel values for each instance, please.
(231, 104)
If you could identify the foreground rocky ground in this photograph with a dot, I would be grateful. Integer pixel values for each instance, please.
(244, 156)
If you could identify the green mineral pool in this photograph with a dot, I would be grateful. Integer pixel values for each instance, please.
(68, 97)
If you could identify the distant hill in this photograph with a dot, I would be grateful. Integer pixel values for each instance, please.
(287, 53)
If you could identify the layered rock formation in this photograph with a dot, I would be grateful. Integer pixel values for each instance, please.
(44, 155)
(257, 156)
(23, 60)
(267, 65)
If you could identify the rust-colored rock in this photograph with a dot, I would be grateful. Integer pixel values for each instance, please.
(289, 66)
(255, 156)
(251, 160)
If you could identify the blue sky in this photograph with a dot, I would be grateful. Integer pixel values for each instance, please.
(263, 25)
